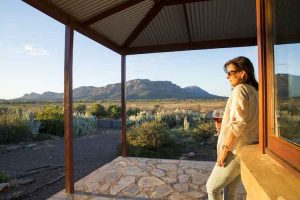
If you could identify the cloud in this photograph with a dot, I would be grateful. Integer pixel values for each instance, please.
(137, 71)
(35, 51)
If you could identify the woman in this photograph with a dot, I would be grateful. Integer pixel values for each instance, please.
(238, 128)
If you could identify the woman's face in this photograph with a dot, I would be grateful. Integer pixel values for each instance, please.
(234, 75)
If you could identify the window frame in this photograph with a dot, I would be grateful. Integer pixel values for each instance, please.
(286, 151)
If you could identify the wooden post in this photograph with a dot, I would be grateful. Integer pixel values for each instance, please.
(68, 117)
(262, 73)
(123, 81)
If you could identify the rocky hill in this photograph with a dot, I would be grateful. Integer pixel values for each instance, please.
(288, 85)
(135, 89)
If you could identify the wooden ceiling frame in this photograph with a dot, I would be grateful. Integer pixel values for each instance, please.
(143, 24)
(128, 4)
(187, 23)
(60, 15)
(110, 12)
(158, 6)
(176, 2)
(211, 44)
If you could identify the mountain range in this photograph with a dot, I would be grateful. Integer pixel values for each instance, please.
(135, 89)
(288, 85)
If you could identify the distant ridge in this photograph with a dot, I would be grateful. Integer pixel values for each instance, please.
(135, 89)
(288, 85)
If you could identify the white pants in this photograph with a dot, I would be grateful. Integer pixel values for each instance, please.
(226, 178)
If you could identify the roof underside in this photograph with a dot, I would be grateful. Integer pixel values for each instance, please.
(145, 26)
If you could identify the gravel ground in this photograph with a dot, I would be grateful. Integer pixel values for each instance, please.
(43, 162)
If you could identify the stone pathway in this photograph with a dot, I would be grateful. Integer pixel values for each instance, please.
(143, 178)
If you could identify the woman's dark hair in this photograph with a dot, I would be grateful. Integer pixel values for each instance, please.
(243, 63)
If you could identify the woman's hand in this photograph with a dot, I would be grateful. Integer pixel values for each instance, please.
(221, 158)
(218, 125)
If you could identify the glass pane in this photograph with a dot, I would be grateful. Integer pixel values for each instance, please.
(286, 35)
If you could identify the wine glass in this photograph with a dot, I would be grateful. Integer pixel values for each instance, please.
(217, 116)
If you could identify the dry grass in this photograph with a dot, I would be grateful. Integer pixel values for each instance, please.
(201, 106)
(171, 105)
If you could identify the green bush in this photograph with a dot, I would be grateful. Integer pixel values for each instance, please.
(98, 110)
(83, 125)
(170, 120)
(203, 132)
(150, 135)
(13, 125)
(52, 120)
(3, 110)
(114, 111)
(133, 112)
(3, 177)
(168, 152)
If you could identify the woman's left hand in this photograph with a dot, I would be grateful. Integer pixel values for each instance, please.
(221, 158)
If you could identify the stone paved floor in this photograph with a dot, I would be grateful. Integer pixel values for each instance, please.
(143, 178)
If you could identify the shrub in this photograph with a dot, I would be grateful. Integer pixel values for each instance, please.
(52, 120)
(3, 177)
(13, 125)
(169, 152)
(80, 109)
(186, 124)
(133, 112)
(149, 135)
(203, 132)
(168, 118)
(140, 118)
(98, 110)
(114, 111)
(83, 125)
(33, 125)
(3, 110)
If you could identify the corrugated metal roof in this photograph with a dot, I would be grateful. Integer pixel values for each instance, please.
(167, 27)
(84, 9)
(286, 17)
(120, 25)
(215, 20)
(233, 22)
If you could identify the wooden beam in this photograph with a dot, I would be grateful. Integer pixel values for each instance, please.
(68, 112)
(212, 44)
(123, 92)
(175, 2)
(187, 23)
(110, 12)
(142, 25)
(60, 15)
(287, 39)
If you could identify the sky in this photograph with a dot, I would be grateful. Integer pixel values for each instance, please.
(32, 58)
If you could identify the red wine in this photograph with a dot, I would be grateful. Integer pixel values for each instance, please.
(218, 119)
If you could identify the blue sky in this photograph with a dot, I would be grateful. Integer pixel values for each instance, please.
(32, 58)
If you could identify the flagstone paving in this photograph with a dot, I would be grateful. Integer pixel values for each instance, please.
(144, 178)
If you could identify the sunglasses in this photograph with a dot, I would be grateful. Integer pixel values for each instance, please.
(230, 73)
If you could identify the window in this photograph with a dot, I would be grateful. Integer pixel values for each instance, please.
(283, 64)
(286, 45)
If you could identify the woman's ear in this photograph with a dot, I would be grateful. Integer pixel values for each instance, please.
(244, 75)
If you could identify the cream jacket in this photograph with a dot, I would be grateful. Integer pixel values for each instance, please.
(240, 117)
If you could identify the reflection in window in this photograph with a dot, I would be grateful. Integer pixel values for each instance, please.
(286, 36)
